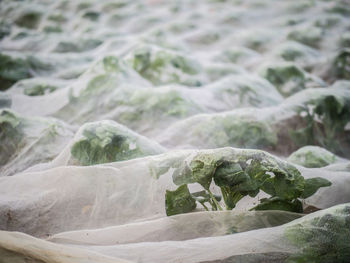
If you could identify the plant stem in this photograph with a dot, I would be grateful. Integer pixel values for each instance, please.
(214, 200)
(237, 197)
(213, 206)
(205, 207)
(230, 198)
(225, 197)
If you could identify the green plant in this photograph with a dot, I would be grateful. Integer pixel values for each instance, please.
(322, 239)
(39, 90)
(104, 142)
(308, 36)
(325, 118)
(288, 79)
(10, 135)
(312, 156)
(29, 19)
(163, 66)
(11, 70)
(240, 173)
(179, 201)
(341, 64)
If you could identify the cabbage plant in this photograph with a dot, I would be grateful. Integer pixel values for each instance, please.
(239, 173)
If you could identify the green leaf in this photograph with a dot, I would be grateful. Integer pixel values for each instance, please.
(288, 188)
(179, 201)
(203, 168)
(257, 170)
(201, 173)
(183, 175)
(9, 117)
(268, 187)
(276, 203)
(313, 184)
(249, 187)
(229, 174)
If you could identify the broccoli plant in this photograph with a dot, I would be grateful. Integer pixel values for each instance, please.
(11, 70)
(323, 238)
(107, 141)
(325, 119)
(239, 173)
(312, 157)
(288, 78)
(161, 66)
(11, 135)
(340, 65)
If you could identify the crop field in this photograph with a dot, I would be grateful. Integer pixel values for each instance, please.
(174, 131)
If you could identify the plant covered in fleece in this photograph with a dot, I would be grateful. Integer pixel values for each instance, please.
(239, 173)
